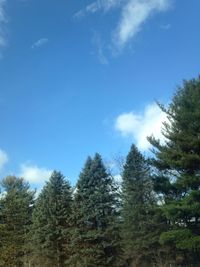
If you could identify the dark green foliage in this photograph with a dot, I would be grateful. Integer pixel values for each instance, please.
(139, 223)
(15, 220)
(51, 223)
(95, 233)
(177, 178)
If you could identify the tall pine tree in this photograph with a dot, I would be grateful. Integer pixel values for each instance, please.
(15, 219)
(51, 223)
(139, 226)
(178, 173)
(95, 233)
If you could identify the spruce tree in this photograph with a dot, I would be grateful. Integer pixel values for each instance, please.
(15, 219)
(51, 223)
(139, 226)
(177, 178)
(95, 233)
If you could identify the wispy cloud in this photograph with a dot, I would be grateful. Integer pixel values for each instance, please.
(34, 174)
(79, 14)
(104, 5)
(39, 43)
(3, 159)
(138, 126)
(99, 5)
(166, 26)
(2, 23)
(99, 49)
(133, 15)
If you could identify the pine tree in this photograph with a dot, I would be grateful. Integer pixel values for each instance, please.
(178, 173)
(15, 219)
(95, 233)
(51, 223)
(139, 226)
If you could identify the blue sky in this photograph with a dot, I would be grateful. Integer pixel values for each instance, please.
(79, 77)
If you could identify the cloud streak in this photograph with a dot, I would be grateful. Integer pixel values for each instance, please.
(166, 26)
(99, 45)
(3, 159)
(2, 23)
(138, 126)
(104, 5)
(97, 6)
(39, 43)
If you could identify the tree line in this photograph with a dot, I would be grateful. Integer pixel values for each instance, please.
(151, 219)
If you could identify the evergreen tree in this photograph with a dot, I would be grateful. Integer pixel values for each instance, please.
(178, 173)
(51, 223)
(139, 226)
(95, 233)
(15, 219)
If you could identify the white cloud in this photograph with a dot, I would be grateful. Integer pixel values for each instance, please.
(99, 5)
(139, 126)
(3, 159)
(134, 15)
(39, 43)
(34, 174)
(2, 22)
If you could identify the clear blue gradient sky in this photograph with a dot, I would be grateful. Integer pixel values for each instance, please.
(70, 69)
